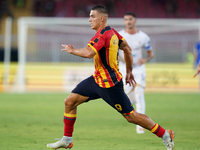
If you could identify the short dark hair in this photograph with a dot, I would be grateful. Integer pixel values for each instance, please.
(101, 9)
(130, 13)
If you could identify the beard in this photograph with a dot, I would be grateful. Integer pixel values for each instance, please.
(130, 27)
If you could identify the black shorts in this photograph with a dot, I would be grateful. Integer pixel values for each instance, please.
(114, 96)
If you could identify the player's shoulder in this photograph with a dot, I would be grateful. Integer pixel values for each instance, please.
(106, 32)
(114, 30)
(142, 33)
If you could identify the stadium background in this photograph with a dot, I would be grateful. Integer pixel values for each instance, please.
(166, 73)
(31, 120)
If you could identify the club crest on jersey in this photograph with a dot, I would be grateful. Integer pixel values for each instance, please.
(115, 42)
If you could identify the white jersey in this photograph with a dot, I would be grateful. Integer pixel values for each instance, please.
(137, 42)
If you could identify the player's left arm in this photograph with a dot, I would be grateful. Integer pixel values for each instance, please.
(150, 55)
(86, 52)
(129, 62)
(148, 48)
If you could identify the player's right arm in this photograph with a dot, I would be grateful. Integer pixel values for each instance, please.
(127, 55)
(86, 52)
(129, 62)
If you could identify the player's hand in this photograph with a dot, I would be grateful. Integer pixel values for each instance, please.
(68, 48)
(130, 79)
(141, 61)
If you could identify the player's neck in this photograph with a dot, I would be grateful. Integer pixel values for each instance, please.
(131, 30)
(101, 27)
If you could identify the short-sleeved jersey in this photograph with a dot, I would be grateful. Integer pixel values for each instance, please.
(197, 51)
(105, 43)
(137, 42)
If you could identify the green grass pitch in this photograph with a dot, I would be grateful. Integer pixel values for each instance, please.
(30, 121)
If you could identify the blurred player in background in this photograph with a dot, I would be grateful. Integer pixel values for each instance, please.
(197, 59)
(106, 82)
(138, 41)
(197, 53)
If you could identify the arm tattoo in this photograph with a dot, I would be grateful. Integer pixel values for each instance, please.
(122, 45)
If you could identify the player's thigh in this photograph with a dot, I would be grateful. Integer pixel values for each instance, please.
(116, 97)
(75, 99)
(87, 88)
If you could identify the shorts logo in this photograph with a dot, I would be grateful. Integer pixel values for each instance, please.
(119, 107)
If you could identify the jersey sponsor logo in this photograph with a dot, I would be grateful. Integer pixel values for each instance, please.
(105, 80)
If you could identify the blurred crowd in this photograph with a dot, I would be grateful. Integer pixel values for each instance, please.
(143, 8)
(81, 8)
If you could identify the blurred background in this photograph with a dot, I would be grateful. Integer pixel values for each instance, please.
(32, 31)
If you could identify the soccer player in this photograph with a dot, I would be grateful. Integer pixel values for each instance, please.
(137, 40)
(106, 82)
(197, 53)
(197, 59)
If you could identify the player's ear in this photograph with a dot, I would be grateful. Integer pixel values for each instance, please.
(135, 20)
(102, 18)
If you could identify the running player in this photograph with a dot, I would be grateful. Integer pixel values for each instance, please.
(106, 82)
(138, 41)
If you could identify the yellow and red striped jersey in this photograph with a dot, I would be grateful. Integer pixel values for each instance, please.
(105, 43)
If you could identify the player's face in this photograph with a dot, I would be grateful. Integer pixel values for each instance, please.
(129, 21)
(95, 19)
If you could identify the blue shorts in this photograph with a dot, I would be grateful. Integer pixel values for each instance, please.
(114, 96)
